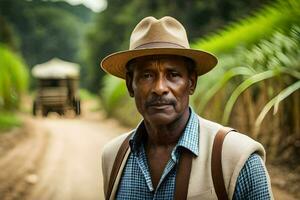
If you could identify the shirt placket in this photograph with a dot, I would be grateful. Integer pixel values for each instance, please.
(143, 165)
(170, 165)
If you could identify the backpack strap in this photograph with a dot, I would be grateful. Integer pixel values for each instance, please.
(216, 163)
(116, 166)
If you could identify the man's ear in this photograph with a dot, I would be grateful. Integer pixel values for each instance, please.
(193, 82)
(129, 79)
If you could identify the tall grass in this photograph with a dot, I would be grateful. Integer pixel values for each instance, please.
(13, 79)
(278, 56)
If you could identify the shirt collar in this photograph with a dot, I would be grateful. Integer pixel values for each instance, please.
(137, 137)
(189, 139)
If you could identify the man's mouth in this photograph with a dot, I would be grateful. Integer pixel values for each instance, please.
(160, 106)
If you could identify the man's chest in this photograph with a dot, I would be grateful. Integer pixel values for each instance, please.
(157, 159)
(136, 181)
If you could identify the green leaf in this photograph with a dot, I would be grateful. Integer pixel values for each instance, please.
(221, 83)
(275, 102)
(242, 87)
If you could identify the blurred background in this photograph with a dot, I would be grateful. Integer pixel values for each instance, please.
(52, 150)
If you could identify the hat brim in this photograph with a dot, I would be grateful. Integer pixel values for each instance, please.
(115, 63)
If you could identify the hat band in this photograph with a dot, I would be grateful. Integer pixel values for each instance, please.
(160, 45)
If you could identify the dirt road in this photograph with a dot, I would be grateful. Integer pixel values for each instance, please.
(70, 168)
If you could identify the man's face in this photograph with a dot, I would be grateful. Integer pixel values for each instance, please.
(161, 87)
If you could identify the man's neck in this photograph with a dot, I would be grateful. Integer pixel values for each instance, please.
(167, 134)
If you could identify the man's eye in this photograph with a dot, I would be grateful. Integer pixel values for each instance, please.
(147, 75)
(174, 74)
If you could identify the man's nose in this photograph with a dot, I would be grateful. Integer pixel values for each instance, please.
(160, 86)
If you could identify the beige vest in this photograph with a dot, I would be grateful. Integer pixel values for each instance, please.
(236, 150)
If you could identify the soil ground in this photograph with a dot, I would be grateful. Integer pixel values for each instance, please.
(59, 159)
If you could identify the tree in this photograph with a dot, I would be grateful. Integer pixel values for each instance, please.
(46, 29)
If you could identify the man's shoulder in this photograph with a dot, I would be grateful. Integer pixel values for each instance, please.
(207, 126)
(242, 142)
(113, 146)
(233, 141)
(237, 148)
(109, 154)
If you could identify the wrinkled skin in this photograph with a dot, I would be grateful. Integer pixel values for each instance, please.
(161, 87)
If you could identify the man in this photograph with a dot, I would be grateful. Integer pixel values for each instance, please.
(170, 152)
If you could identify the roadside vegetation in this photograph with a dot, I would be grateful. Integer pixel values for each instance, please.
(86, 95)
(8, 120)
(13, 85)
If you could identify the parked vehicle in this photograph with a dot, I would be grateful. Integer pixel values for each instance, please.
(57, 87)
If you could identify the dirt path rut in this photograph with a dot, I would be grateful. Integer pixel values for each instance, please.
(71, 167)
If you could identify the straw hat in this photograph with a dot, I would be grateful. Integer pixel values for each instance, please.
(165, 36)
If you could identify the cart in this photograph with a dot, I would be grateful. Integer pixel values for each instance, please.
(57, 88)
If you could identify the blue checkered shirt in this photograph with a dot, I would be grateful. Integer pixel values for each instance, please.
(136, 181)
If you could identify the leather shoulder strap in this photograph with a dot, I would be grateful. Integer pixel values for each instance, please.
(183, 175)
(116, 166)
(216, 163)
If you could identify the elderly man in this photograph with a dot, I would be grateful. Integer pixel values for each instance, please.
(173, 153)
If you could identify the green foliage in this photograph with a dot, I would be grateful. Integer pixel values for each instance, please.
(262, 43)
(8, 35)
(113, 92)
(116, 101)
(86, 95)
(13, 79)
(244, 86)
(58, 37)
(228, 75)
(41, 30)
(275, 102)
(8, 120)
(281, 15)
(278, 56)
